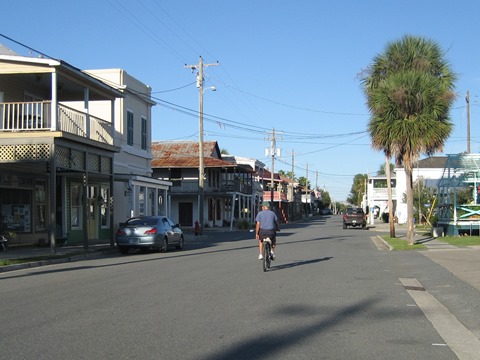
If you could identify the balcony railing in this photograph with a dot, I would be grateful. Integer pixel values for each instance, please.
(381, 193)
(36, 116)
(277, 196)
(191, 186)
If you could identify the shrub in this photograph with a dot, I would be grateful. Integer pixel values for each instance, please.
(243, 225)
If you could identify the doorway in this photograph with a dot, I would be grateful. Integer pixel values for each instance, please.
(185, 214)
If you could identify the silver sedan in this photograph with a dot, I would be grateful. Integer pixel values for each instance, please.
(149, 233)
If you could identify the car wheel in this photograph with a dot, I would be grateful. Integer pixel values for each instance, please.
(123, 249)
(164, 245)
(179, 246)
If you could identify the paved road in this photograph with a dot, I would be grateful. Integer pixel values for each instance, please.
(331, 294)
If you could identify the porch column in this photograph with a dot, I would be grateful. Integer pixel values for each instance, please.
(86, 99)
(112, 128)
(52, 226)
(54, 107)
(111, 211)
(85, 209)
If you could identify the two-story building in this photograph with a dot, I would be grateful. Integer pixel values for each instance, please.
(227, 185)
(135, 192)
(429, 170)
(56, 160)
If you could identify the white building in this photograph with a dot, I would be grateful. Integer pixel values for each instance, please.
(136, 192)
(430, 170)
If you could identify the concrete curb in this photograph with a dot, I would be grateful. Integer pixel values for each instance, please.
(62, 260)
(390, 247)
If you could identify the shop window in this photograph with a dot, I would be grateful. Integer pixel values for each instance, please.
(15, 210)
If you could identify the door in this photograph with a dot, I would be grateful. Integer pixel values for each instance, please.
(92, 220)
(185, 214)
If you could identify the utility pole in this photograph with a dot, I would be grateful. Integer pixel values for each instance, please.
(293, 186)
(201, 167)
(307, 193)
(271, 152)
(467, 99)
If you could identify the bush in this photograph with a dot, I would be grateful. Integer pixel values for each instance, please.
(243, 225)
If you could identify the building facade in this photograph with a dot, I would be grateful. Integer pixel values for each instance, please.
(57, 160)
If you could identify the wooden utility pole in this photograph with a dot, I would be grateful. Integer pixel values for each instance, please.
(271, 151)
(201, 166)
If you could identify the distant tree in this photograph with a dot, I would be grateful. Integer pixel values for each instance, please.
(303, 180)
(287, 174)
(381, 170)
(358, 189)
(326, 200)
(409, 90)
(224, 152)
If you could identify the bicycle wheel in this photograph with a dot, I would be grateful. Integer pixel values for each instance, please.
(266, 256)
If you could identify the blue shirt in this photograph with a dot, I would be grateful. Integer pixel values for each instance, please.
(267, 219)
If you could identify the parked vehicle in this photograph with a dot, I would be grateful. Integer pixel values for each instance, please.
(148, 233)
(354, 217)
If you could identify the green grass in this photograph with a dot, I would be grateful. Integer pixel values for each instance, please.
(461, 241)
(5, 262)
(400, 244)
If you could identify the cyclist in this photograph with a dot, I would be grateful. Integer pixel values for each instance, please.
(266, 226)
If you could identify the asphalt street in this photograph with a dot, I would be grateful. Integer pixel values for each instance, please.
(331, 294)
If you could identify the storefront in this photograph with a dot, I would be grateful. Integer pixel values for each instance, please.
(23, 205)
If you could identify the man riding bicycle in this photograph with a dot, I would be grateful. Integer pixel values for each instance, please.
(266, 226)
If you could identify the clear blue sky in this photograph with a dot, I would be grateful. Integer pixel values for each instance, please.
(288, 65)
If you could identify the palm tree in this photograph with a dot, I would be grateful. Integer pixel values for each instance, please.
(409, 90)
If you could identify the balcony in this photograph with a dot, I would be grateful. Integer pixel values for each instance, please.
(226, 186)
(36, 116)
(381, 194)
(278, 196)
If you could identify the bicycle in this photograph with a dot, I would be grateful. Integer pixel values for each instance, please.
(267, 253)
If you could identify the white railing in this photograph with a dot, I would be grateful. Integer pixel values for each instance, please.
(27, 116)
(382, 193)
(33, 116)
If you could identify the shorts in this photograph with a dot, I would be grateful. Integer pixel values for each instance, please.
(262, 234)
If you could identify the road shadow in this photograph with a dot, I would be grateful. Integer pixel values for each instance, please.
(300, 263)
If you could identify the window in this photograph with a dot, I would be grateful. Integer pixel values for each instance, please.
(176, 177)
(141, 201)
(382, 183)
(76, 210)
(15, 206)
(144, 133)
(104, 200)
(130, 128)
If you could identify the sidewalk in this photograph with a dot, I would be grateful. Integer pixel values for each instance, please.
(42, 256)
(463, 262)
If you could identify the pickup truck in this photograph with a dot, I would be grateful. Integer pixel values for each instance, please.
(354, 217)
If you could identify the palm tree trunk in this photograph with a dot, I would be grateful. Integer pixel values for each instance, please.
(410, 229)
(390, 202)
